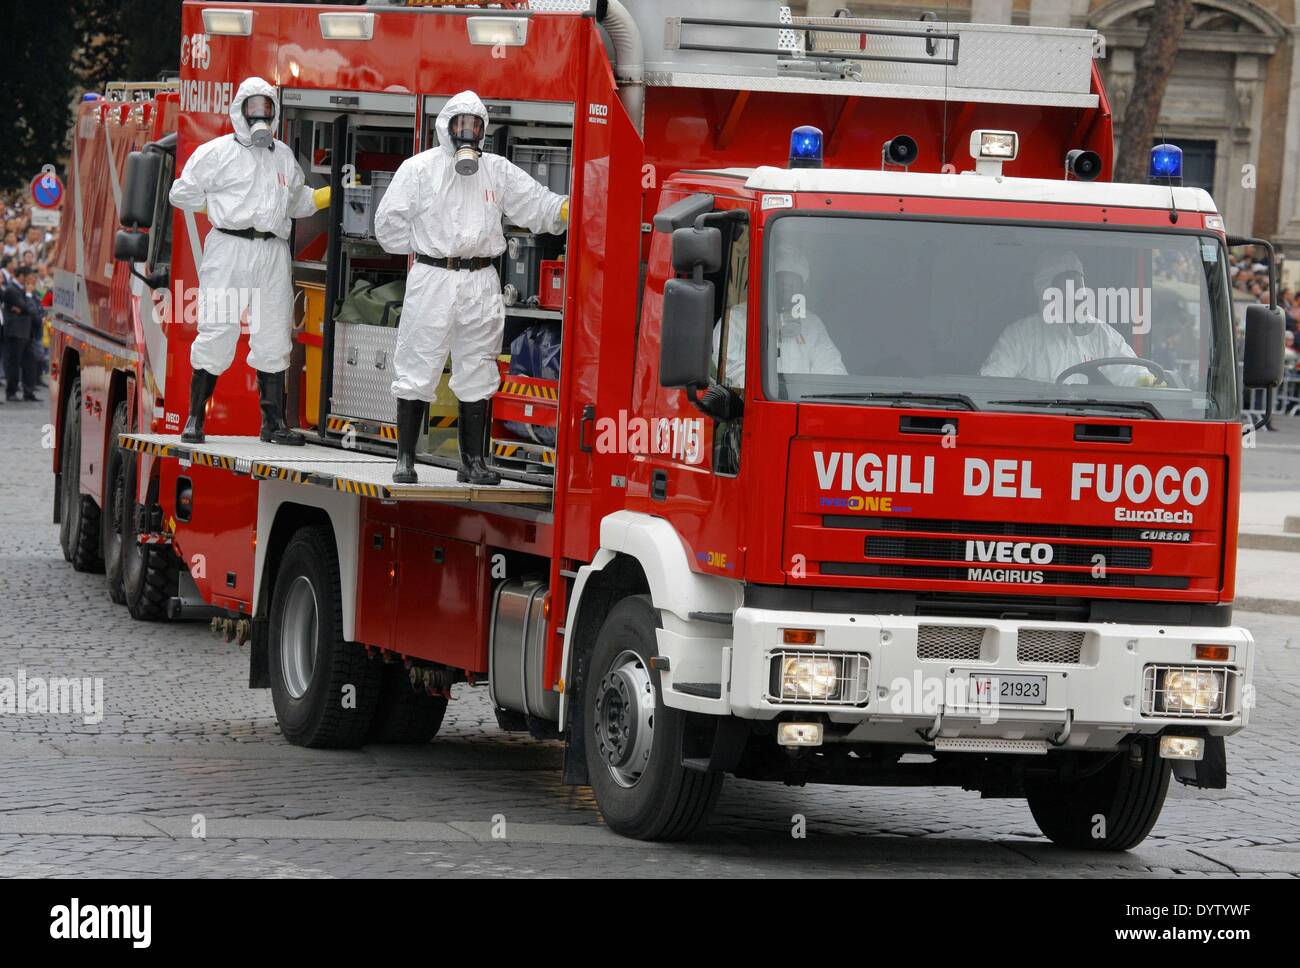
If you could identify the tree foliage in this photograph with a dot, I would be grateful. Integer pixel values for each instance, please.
(52, 51)
(1154, 65)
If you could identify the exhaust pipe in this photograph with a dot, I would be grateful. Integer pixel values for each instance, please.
(629, 61)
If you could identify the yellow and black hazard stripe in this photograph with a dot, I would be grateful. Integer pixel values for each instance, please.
(147, 447)
(360, 487)
(269, 472)
(540, 455)
(442, 423)
(213, 460)
(536, 391)
(343, 425)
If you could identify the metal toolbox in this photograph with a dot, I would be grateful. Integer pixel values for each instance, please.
(517, 651)
(363, 372)
(549, 164)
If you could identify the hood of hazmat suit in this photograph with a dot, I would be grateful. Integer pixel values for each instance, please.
(429, 209)
(244, 187)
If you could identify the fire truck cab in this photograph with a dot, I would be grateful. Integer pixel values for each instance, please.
(885, 443)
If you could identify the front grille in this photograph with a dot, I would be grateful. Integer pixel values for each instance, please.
(949, 643)
(936, 573)
(1055, 646)
(1012, 529)
(939, 549)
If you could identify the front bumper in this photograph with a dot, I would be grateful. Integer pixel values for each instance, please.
(914, 688)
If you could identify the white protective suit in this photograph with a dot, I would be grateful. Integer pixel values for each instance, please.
(805, 346)
(243, 187)
(1034, 349)
(430, 209)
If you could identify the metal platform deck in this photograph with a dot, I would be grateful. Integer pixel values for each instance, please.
(353, 472)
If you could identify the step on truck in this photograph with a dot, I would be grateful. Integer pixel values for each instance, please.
(887, 442)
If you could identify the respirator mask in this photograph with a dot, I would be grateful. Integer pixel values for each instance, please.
(466, 133)
(1071, 285)
(790, 302)
(259, 112)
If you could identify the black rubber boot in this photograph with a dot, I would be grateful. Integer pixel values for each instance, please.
(412, 415)
(202, 383)
(270, 387)
(474, 425)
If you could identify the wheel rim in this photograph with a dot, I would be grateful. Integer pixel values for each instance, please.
(624, 718)
(298, 637)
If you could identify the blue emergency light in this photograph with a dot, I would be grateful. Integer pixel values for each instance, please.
(1166, 164)
(806, 147)
(92, 96)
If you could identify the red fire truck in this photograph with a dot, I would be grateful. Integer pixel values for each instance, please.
(887, 443)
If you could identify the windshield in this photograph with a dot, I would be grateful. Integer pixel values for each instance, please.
(997, 316)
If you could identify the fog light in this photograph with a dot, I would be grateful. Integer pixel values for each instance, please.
(1182, 747)
(1190, 691)
(809, 677)
(799, 734)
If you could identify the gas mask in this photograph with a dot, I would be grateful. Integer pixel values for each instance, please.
(466, 133)
(259, 112)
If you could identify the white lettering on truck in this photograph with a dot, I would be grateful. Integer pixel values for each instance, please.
(1137, 485)
(870, 473)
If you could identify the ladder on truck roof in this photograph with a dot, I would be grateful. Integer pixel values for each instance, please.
(334, 468)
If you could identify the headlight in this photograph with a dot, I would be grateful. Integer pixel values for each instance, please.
(819, 677)
(1189, 691)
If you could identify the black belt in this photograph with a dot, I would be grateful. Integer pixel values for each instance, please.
(469, 265)
(248, 233)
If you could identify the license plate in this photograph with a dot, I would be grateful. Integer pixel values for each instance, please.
(999, 688)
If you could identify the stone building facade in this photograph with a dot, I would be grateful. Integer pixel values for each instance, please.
(1233, 102)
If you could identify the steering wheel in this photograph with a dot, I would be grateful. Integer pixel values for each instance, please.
(1092, 368)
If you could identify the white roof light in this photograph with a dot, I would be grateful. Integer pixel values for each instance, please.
(999, 145)
(347, 26)
(230, 23)
(494, 31)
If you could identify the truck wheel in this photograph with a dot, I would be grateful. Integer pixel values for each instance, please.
(634, 741)
(1113, 809)
(150, 573)
(79, 530)
(116, 504)
(324, 688)
(404, 715)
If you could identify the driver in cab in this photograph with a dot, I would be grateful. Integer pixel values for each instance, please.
(1036, 349)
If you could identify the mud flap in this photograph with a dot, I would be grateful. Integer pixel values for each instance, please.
(1208, 773)
(259, 661)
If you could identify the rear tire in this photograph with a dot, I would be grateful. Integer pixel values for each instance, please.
(404, 715)
(116, 504)
(1113, 809)
(150, 573)
(324, 688)
(633, 741)
(79, 531)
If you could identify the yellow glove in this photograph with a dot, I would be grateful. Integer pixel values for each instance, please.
(321, 197)
(564, 211)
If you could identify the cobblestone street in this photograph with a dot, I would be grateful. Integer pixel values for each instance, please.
(184, 744)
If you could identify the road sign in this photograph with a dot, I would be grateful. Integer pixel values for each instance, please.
(47, 190)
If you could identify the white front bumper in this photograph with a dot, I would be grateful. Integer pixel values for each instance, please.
(1090, 703)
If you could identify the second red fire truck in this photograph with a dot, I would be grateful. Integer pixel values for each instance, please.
(807, 478)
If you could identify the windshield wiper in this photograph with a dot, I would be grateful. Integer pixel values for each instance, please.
(1073, 403)
(900, 396)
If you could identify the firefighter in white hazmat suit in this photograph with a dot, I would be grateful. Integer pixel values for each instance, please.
(250, 186)
(1035, 349)
(445, 206)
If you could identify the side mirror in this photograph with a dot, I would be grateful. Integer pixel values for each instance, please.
(686, 339)
(131, 247)
(140, 188)
(697, 249)
(1264, 353)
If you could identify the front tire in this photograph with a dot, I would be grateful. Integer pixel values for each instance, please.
(1112, 809)
(324, 688)
(633, 741)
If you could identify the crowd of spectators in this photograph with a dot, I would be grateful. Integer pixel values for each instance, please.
(26, 289)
